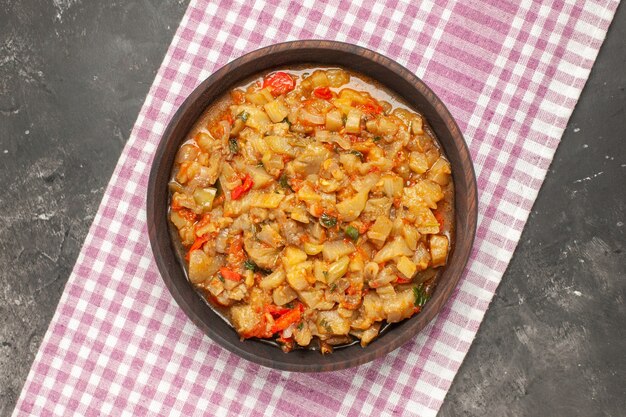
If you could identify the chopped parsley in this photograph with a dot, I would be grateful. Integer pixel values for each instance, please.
(328, 221)
(357, 153)
(333, 286)
(326, 326)
(377, 138)
(233, 145)
(220, 277)
(420, 296)
(250, 265)
(300, 326)
(283, 181)
(352, 232)
(243, 116)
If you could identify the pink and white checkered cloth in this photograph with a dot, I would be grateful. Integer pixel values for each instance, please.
(509, 71)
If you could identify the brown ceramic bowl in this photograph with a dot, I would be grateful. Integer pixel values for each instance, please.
(323, 53)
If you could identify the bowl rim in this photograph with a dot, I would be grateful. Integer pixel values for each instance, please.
(416, 323)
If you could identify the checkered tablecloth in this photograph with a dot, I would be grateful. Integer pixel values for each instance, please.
(509, 71)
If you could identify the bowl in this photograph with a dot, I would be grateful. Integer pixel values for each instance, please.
(324, 53)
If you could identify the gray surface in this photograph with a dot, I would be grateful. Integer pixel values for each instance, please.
(72, 79)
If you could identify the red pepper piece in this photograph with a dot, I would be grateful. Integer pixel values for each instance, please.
(323, 93)
(197, 244)
(230, 275)
(240, 190)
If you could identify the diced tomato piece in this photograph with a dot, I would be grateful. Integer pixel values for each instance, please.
(230, 275)
(279, 83)
(323, 93)
(240, 190)
(197, 244)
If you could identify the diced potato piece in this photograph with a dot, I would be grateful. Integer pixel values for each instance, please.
(417, 125)
(411, 236)
(343, 104)
(293, 256)
(353, 95)
(367, 335)
(333, 250)
(260, 177)
(406, 267)
(330, 322)
(438, 250)
(276, 110)
(400, 306)
(273, 280)
(266, 200)
(337, 269)
(302, 335)
(397, 247)
(421, 257)
(376, 207)
(297, 275)
(311, 298)
(386, 126)
(201, 267)
(312, 248)
(245, 319)
(440, 172)
(308, 194)
(353, 122)
(319, 79)
(334, 120)
(281, 145)
(259, 97)
(337, 77)
(418, 162)
(425, 220)
(380, 229)
(283, 294)
(270, 236)
(299, 215)
(256, 119)
(424, 193)
(393, 186)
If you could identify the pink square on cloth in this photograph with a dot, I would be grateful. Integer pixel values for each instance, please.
(509, 71)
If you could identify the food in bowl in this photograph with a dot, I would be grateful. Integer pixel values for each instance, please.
(315, 208)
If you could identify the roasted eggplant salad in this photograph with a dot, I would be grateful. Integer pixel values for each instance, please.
(313, 207)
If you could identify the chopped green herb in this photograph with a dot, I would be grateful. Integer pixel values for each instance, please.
(326, 326)
(357, 153)
(420, 296)
(300, 326)
(333, 286)
(305, 74)
(352, 232)
(220, 277)
(250, 265)
(286, 120)
(243, 116)
(377, 138)
(283, 181)
(344, 118)
(328, 221)
(289, 305)
(233, 145)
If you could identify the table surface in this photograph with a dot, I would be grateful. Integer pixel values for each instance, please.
(73, 77)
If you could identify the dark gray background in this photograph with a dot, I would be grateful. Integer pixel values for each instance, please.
(73, 77)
